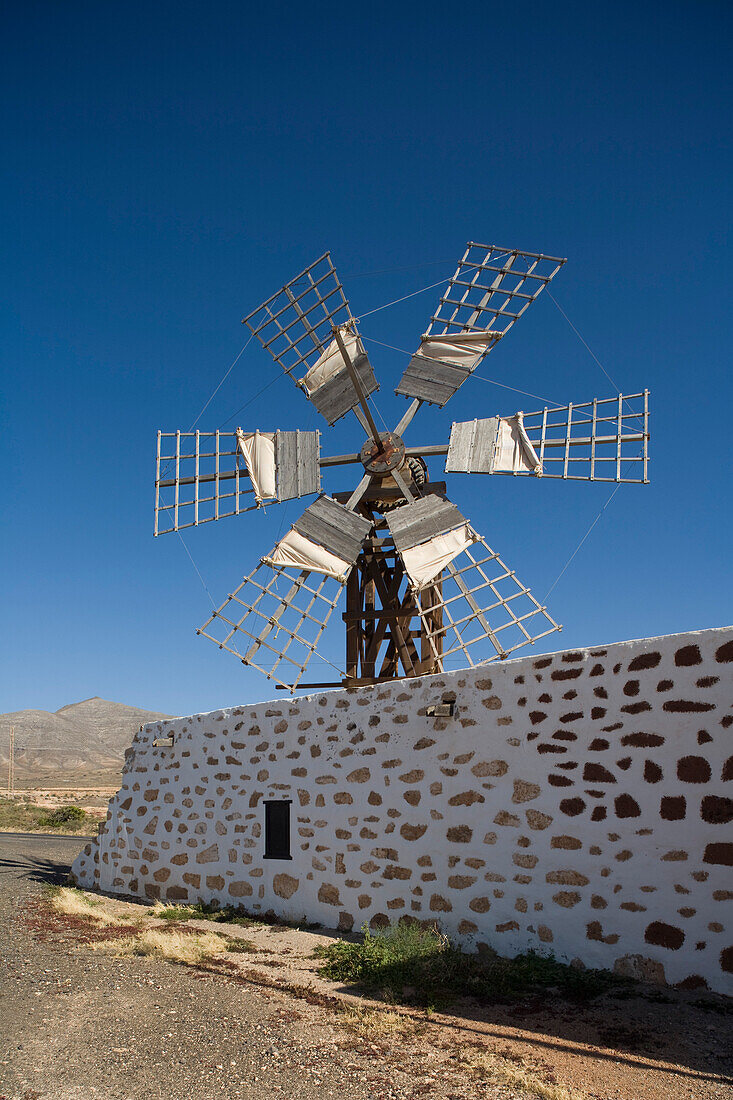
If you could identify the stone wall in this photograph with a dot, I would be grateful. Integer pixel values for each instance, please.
(579, 802)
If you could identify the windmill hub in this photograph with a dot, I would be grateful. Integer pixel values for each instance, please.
(380, 461)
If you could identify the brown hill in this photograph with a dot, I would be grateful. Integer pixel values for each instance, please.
(82, 744)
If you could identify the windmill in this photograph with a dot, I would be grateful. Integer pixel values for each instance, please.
(423, 589)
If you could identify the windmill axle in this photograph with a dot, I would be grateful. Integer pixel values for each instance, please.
(381, 461)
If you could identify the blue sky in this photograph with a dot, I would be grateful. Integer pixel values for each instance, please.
(168, 166)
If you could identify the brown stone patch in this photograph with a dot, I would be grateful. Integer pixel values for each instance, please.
(644, 660)
(524, 791)
(359, 775)
(664, 935)
(343, 798)
(328, 894)
(626, 806)
(460, 834)
(559, 781)
(572, 806)
(424, 743)
(537, 716)
(466, 798)
(716, 810)
(640, 969)
(688, 655)
(673, 808)
(537, 820)
(687, 706)
(413, 776)
(594, 931)
(721, 854)
(652, 772)
(412, 832)
(726, 960)
(412, 797)
(461, 882)
(570, 843)
(566, 898)
(636, 708)
(594, 772)
(724, 653)
(693, 769)
(631, 687)
(208, 855)
(490, 767)
(240, 889)
(598, 744)
(439, 904)
(566, 673)
(567, 878)
(643, 740)
(285, 885)
(505, 818)
(392, 871)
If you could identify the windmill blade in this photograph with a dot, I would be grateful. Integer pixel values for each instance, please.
(468, 597)
(491, 289)
(604, 439)
(274, 620)
(205, 476)
(480, 610)
(296, 326)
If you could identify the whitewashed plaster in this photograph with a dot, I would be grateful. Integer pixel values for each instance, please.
(578, 802)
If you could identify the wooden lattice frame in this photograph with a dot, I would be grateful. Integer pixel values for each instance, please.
(491, 289)
(297, 322)
(488, 604)
(606, 437)
(301, 611)
(208, 480)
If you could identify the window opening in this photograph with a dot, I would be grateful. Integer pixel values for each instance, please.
(277, 830)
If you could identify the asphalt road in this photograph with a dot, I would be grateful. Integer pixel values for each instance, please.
(75, 1023)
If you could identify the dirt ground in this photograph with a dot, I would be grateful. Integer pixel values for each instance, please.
(78, 1022)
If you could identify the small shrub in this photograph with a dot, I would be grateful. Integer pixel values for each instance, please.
(407, 962)
(65, 816)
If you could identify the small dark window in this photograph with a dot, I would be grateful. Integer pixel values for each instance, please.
(277, 830)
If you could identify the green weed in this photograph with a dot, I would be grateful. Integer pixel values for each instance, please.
(227, 914)
(418, 965)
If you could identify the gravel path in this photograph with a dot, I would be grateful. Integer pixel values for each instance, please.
(78, 1024)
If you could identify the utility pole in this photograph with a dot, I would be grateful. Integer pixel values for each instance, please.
(11, 763)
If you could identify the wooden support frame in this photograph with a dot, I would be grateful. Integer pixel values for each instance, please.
(382, 617)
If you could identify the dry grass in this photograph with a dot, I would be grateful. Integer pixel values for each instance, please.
(513, 1074)
(75, 903)
(374, 1024)
(188, 948)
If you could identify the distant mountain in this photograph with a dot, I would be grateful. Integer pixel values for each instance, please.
(80, 744)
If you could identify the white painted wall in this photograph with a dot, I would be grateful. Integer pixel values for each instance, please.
(578, 802)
